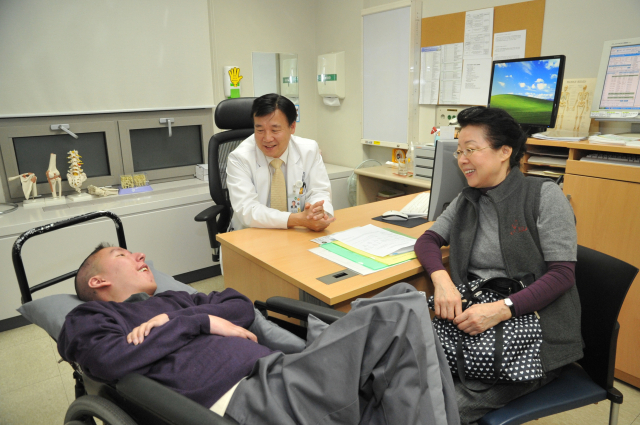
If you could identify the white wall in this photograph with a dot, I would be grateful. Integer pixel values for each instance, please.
(338, 28)
(287, 26)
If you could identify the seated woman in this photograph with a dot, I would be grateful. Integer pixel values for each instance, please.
(505, 225)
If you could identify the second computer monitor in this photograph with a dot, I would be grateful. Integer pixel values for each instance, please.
(448, 181)
(529, 89)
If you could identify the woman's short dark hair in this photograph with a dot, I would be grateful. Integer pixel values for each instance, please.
(268, 103)
(499, 128)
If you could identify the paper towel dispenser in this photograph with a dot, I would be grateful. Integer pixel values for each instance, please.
(331, 78)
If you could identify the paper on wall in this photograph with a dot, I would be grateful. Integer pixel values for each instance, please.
(476, 75)
(574, 106)
(451, 73)
(478, 33)
(429, 75)
(509, 45)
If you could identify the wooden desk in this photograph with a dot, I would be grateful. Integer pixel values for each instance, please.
(606, 200)
(372, 179)
(261, 263)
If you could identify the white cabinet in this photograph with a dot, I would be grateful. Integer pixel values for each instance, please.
(338, 176)
(160, 223)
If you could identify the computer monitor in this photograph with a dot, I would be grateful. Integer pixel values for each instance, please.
(447, 180)
(529, 90)
(617, 92)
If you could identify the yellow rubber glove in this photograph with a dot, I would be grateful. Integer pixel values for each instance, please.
(234, 75)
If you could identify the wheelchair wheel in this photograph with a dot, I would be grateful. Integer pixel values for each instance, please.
(84, 409)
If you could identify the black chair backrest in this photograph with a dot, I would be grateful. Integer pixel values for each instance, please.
(233, 115)
(602, 282)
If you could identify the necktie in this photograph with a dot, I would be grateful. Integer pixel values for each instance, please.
(278, 189)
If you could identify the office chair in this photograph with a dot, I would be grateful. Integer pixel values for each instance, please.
(233, 115)
(602, 283)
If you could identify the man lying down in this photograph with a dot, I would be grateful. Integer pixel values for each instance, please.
(381, 363)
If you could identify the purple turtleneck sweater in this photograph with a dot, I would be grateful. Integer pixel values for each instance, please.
(181, 354)
(558, 279)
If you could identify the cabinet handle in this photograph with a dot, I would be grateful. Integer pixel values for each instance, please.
(568, 197)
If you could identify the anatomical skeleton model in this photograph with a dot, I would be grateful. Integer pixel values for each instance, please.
(101, 191)
(53, 176)
(28, 181)
(75, 176)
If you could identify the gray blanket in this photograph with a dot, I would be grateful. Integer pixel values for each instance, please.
(380, 364)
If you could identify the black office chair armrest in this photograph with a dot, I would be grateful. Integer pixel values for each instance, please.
(165, 403)
(210, 213)
(300, 309)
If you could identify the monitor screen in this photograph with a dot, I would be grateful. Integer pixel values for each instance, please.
(528, 89)
(622, 79)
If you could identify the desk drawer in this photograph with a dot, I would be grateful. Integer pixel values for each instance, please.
(423, 172)
(424, 151)
(424, 162)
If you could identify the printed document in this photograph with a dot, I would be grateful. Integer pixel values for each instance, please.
(429, 75)
(509, 45)
(450, 73)
(478, 33)
(374, 240)
(476, 77)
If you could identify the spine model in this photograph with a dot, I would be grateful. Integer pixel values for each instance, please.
(75, 176)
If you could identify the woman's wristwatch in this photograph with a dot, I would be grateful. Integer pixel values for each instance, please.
(509, 304)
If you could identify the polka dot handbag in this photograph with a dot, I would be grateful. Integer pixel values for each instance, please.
(508, 352)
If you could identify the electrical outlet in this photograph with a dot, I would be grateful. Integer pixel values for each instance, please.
(446, 113)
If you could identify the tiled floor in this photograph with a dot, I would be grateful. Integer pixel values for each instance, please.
(36, 389)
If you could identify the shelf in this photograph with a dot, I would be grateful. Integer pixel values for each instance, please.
(389, 174)
(585, 145)
(384, 144)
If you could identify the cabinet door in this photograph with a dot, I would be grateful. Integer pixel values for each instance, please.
(606, 212)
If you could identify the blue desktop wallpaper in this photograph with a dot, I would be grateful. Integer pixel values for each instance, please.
(525, 89)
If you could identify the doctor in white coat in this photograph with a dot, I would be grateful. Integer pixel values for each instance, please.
(250, 173)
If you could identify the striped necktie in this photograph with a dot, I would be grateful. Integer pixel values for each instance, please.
(278, 189)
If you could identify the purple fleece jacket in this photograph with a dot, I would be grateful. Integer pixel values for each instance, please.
(181, 354)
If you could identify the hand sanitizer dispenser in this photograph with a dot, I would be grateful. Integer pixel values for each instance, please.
(331, 79)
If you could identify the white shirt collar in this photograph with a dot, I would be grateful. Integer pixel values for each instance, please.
(284, 157)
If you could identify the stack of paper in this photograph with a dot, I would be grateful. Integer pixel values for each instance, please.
(547, 160)
(615, 139)
(562, 135)
(367, 249)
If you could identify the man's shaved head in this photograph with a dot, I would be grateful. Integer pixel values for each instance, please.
(112, 273)
(89, 268)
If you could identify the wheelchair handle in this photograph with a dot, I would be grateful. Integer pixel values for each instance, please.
(16, 251)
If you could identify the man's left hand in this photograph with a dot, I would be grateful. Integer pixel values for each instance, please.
(480, 317)
(137, 334)
(315, 211)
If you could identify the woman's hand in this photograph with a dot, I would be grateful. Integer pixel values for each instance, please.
(480, 317)
(137, 334)
(222, 327)
(446, 297)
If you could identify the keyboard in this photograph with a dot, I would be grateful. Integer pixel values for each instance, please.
(627, 159)
(418, 207)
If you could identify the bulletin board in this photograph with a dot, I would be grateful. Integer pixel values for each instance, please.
(529, 15)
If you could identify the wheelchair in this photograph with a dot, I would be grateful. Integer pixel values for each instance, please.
(136, 399)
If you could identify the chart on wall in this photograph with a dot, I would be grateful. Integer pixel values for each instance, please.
(575, 105)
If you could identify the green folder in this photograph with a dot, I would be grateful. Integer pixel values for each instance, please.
(356, 258)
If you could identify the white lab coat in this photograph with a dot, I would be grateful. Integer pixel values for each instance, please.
(249, 183)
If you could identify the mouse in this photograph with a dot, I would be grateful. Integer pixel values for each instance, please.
(394, 215)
